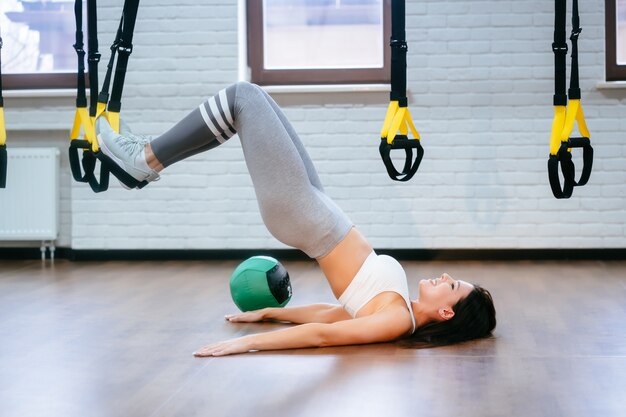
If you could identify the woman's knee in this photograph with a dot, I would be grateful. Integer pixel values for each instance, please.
(248, 95)
(245, 88)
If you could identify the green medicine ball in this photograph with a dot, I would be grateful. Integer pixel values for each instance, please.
(259, 282)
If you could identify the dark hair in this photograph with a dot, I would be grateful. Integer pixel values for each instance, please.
(474, 317)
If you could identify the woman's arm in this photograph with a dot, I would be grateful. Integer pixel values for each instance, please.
(313, 313)
(384, 326)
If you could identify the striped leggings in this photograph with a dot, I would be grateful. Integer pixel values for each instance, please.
(291, 198)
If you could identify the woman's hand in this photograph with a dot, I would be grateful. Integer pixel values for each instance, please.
(247, 317)
(228, 347)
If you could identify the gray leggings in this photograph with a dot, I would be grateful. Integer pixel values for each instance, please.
(291, 198)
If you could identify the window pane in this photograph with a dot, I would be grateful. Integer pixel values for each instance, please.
(38, 36)
(621, 32)
(323, 34)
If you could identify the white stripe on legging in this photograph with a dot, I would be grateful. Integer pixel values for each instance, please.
(225, 108)
(210, 124)
(218, 117)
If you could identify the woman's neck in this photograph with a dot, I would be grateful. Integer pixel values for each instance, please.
(421, 316)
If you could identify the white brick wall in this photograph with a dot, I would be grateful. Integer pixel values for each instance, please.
(480, 80)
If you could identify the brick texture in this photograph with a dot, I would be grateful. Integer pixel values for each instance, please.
(480, 79)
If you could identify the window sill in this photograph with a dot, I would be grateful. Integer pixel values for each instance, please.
(327, 88)
(47, 93)
(611, 85)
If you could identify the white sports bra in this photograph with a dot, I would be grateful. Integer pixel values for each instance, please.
(378, 274)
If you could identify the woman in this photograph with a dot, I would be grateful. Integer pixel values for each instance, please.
(372, 290)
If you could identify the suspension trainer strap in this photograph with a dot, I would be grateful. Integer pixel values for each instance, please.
(101, 183)
(398, 121)
(83, 169)
(3, 132)
(121, 49)
(399, 50)
(103, 97)
(99, 102)
(567, 112)
(93, 57)
(574, 85)
(575, 106)
(124, 49)
(559, 47)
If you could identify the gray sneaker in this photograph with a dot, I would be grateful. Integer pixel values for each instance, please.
(125, 150)
(126, 131)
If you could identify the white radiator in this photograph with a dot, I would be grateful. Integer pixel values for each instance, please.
(29, 205)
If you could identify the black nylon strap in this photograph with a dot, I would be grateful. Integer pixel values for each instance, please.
(75, 161)
(410, 165)
(124, 177)
(564, 158)
(567, 169)
(104, 92)
(398, 53)
(81, 94)
(3, 166)
(101, 184)
(585, 144)
(124, 50)
(559, 47)
(574, 87)
(93, 56)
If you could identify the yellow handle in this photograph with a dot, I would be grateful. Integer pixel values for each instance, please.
(563, 124)
(391, 111)
(398, 119)
(114, 120)
(574, 114)
(82, 120)
(3, 131)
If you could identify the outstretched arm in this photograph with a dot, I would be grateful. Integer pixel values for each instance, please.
(384, 326)
(312, 313)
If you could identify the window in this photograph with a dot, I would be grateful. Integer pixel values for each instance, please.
(37, 47)
(319, 41)
(615, 40)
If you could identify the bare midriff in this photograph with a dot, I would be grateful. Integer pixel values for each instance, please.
(345, 260)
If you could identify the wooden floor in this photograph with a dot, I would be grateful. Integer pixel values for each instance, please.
(116, 339)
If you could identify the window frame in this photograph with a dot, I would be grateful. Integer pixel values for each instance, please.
(614, 72)
(262, 76)
(39, 81)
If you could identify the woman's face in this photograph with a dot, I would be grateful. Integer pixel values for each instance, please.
(443, 293)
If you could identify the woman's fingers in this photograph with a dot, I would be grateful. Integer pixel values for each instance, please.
(227, 347)
(242, 318)
(209, 350)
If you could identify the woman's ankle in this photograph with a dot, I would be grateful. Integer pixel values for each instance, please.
(152, 160)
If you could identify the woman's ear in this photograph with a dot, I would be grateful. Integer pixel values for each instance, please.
(446, 313)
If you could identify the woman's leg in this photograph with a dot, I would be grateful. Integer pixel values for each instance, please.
(293, 209)
(201, 130)
(289, 193)
(310, 168)
(206, 127)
